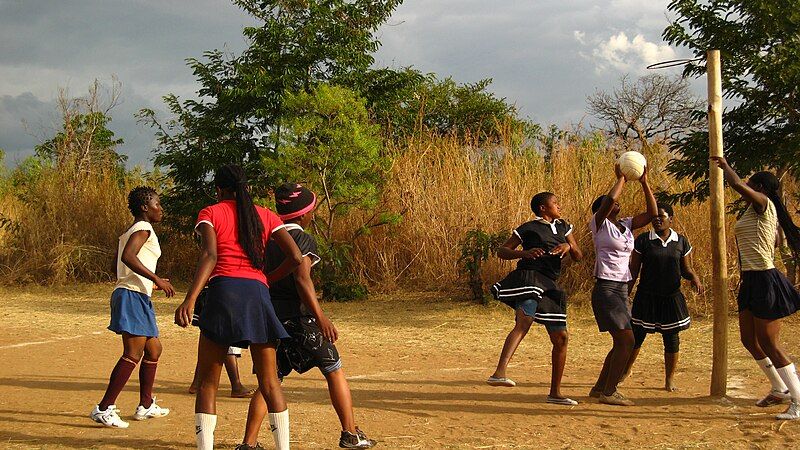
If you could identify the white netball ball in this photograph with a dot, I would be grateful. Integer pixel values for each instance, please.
(632, 165)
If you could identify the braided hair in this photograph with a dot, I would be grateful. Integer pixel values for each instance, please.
(251, 231)
(139, 197)
(770, 186)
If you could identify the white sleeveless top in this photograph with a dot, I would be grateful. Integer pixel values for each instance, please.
(148, 255)
(756, 235)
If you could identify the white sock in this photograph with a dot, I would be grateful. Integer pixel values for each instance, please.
(789, 376)
(279, 424)
(204, 429)
(772, 374)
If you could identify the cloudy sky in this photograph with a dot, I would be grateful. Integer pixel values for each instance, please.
(546, 56)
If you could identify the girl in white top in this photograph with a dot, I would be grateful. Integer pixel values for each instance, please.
(132, 313)
(765, 295)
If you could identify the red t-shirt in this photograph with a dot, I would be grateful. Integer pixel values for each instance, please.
(232, 261)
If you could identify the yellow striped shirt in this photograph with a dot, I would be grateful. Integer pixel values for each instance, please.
(756, 235)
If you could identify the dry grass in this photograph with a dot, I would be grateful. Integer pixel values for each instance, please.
(449, 188)
(67, 227)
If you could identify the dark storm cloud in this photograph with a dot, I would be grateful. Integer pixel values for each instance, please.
(546, 56)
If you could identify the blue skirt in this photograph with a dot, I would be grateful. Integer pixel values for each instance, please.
(132, 312)
(238, 312)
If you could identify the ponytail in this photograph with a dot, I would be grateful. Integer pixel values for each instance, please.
(770, 185)
(250, 228)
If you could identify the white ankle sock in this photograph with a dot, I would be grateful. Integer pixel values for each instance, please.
(279, 424)
(789, 376)
(772, 374)
(204, 429)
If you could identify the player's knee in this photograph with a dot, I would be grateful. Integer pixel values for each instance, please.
(524, 322)
(559, 338)
(625, 341)
(153, 351)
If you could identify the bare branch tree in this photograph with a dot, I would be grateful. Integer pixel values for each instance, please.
(653, 108)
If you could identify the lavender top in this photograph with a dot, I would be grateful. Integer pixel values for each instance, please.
(612, 249)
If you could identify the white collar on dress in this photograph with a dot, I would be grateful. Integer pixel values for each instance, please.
(673, 236)
(552, 224)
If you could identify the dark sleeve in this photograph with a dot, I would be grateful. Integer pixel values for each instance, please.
(686, 248)
(640, 244)
(308, 247)
(568, 228)
(519, 232)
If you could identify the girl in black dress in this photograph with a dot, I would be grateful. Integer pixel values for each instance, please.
(661, 256)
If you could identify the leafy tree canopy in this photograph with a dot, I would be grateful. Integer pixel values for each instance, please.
(760, 49)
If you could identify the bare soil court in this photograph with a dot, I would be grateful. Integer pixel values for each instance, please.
(416, 364)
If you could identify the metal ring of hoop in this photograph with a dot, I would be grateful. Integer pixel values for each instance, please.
(672, 63)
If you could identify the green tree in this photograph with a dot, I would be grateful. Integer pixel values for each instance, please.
(760, 49)
(328, 142)
(238, 116)
(446, 107)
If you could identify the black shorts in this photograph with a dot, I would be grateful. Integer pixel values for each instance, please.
(306, 349)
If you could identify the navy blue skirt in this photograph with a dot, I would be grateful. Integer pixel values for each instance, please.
(132, 312)
(768, 294)
(238, 312)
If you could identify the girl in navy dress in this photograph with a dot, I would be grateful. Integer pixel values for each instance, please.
(765, 295)
(238, 311)
(132, 313)
(661, 256)
(531, 290)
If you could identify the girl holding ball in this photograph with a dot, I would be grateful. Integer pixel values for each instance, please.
(613, 243)
(765, 295)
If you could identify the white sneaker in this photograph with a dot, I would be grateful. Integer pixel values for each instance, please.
(791, 413)
(109, 417)
(153, 411)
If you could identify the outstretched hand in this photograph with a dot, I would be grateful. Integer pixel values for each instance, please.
(163, 284)
(560, 250)
(618, 172)
(698, 286)
(720, 160)
(643, 178)
(328, 329)
(183, 315)
(533, 253)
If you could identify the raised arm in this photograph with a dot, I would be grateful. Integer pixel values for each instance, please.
(205, 265)
(131, 259)
(608, 202)
(643, 219)
(751, 196)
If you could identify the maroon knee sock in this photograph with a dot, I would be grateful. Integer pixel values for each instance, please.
(147, 376)
(119, 376)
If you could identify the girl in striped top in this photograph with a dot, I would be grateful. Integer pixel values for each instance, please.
(765, 295)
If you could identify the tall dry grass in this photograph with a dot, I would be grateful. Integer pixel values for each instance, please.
(449, 188)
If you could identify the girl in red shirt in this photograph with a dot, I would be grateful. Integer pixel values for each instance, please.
(238, 311)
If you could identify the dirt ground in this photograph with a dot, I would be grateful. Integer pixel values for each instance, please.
(416, 364)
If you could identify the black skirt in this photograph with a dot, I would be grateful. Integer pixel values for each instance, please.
(610, 305)
(522, 285)
(656, 313)
(768, 294)
(237, 312)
